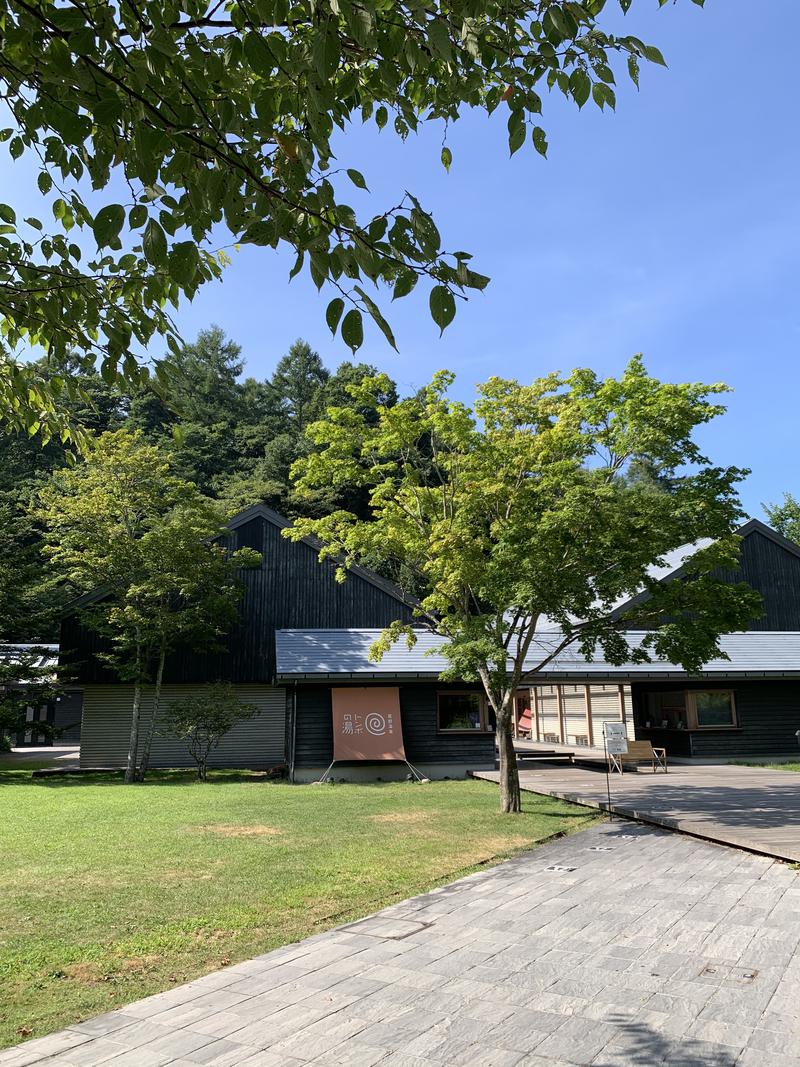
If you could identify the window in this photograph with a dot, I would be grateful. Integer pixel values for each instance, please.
(688, 709)
(461, 711)
(713, 708)
(666, 710)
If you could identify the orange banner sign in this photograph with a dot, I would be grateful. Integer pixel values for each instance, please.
(366, 724)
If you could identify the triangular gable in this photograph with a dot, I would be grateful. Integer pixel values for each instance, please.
(752, 526)
(256, 511)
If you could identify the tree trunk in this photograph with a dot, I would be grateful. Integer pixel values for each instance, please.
(130, 769)
(151, 729)
(509, 774)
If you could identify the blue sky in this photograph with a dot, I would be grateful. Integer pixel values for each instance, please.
(670, 227)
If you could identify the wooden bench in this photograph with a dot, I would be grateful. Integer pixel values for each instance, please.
(640, 752)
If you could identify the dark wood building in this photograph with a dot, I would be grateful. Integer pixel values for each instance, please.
(302, 635)
(291, 590)
(747, 705)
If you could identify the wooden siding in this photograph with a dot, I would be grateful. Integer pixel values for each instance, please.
(768, 714)
(775, 573)
(291, 589)
(258, 742)
(568, 711)
(773, 570)
(423, 742)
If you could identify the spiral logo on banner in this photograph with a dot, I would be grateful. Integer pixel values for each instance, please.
(367, 723)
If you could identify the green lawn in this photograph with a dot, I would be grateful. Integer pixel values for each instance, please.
(771, 766)
(113, 892)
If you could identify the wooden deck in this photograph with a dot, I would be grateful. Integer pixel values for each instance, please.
(749, 807)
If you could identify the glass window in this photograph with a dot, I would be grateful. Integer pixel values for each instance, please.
(666, 710)
(460, 711)
(714, 708)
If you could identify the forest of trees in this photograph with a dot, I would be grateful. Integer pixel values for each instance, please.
(235, 437)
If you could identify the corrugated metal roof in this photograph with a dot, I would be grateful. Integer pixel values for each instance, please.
(43, 654)
(345, 653)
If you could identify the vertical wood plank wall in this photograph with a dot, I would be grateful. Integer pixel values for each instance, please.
(574, 714)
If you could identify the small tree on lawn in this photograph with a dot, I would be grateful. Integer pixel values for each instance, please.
(121, 523)
(204, 719)
(518, 516)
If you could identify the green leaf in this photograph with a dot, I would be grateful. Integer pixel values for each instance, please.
(353, 329)
(516, 131)
(602, 94)
(259, 233)
(154, 244)
(45, 182)
(447, 158)
(381, 117)
(404, 284)
(108, 223)
(443, 307)
(334, 313)
(326, 52)
(258, 54)
(580, 86)
(137, 216)
(357, 178)
(184, 260)
(654, 55)
(539, 140)
(375, 312)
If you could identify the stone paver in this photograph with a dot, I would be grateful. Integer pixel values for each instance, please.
(656, 949)
(749, 807)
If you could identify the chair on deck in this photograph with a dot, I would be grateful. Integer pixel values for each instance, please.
(524, 725)
(640, 752)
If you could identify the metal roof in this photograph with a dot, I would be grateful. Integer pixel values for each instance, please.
(344, 654)
(38, 657)
(43, 653)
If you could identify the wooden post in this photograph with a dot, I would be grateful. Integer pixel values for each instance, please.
(516, 719)
(622, 716)
(560, 706)
(587, 699)
(535, 693)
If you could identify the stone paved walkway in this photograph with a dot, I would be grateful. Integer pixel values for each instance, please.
(622, 944)
(750, 807)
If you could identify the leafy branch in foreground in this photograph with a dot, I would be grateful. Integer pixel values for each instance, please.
(220, 122)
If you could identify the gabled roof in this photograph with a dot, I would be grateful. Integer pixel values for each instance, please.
(262, 511)
(316, 655)
(256, 511)
(675, 562)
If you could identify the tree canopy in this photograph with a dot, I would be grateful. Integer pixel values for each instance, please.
(163, 133)
(785, 517)
(151, 548)
(519, 516)
(234, 437)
